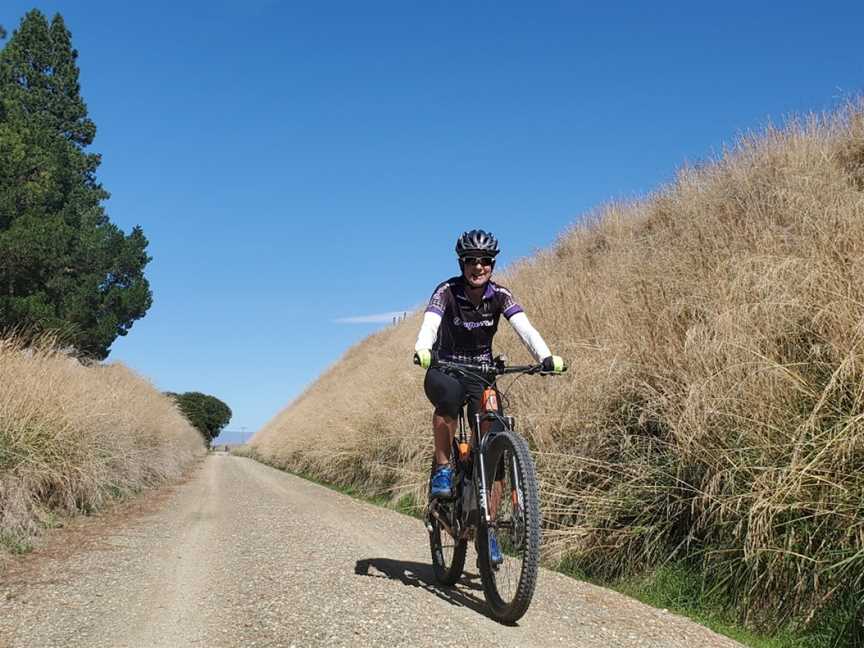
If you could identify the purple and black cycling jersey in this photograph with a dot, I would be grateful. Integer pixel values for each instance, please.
(467, 330)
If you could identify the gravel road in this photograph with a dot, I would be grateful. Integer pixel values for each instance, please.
(245, 555)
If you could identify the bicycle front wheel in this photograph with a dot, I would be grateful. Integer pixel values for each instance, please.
(515, 525)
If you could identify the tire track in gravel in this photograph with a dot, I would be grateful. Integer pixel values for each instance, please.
(245, 555)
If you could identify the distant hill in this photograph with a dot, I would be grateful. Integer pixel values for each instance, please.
(232, 438)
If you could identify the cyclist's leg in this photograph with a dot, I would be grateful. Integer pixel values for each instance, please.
(447, 394)
(444, 428)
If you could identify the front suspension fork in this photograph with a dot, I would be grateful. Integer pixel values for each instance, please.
(481, 456)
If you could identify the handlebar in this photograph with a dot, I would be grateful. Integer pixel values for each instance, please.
(488, 369)
(492, 369)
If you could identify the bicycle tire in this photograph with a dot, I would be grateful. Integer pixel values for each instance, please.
(509, 587)
(448, 554)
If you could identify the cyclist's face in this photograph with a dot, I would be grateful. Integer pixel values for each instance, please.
(476, 270)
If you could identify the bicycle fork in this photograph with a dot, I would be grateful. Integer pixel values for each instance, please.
(481, 459)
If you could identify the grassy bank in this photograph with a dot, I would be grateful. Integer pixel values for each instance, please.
(74, 436)
(713, 412)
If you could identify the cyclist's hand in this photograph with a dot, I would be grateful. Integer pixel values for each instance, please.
(554, 364)
(423, 357)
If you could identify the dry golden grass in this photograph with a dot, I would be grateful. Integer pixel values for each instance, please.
(73, 436)
(714, 407)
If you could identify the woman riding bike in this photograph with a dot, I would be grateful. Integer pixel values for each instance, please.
(458, 326)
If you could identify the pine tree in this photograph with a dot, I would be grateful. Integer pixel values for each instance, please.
(64, 267)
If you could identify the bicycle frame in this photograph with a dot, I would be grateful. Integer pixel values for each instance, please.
(479, 442)
(476, 458)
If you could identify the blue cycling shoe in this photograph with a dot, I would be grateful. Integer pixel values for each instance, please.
(442, 482)
(495, 556)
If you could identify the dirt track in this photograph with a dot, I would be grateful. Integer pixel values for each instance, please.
(244, 555)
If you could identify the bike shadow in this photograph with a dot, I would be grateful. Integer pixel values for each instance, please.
(422, 576)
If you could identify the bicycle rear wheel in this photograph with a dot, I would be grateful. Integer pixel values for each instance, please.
(515, 513)
(448, 553)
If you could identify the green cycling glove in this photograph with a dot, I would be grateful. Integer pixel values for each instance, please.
(554, 364)
(423, 357)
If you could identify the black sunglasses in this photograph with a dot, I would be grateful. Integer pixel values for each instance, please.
(485, 261)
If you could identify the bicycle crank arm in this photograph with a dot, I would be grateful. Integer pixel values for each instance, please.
(443, 523)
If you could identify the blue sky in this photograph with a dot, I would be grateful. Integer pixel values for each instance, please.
(297, 164)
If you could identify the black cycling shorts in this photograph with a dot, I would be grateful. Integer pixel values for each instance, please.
(447, 392)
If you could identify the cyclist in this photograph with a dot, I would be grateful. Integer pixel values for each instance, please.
(459, 324)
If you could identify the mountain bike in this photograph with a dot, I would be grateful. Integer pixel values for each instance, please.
(494, 491)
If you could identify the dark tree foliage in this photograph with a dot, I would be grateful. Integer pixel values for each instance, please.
(64, 267)
(206, 413)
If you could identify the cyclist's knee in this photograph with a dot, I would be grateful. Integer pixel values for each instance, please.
(449, 409)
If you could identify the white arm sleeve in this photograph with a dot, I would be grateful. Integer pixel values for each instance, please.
(530, 336)
(428, 331)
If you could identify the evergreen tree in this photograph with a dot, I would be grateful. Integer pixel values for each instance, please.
(64, 267)
(206, 413)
